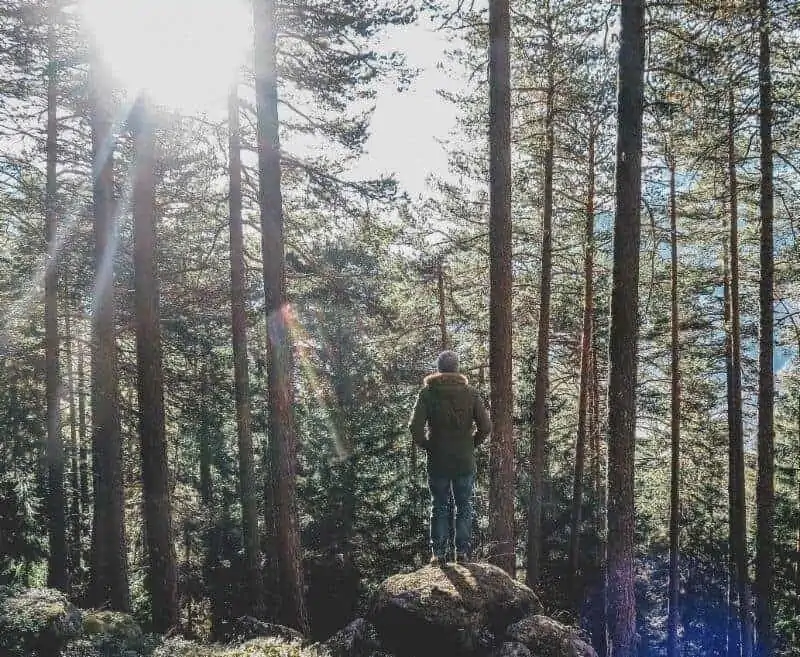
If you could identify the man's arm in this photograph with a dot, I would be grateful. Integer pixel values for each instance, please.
(482, 422)
(419, 419)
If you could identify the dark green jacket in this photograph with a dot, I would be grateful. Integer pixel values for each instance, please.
(442, 423)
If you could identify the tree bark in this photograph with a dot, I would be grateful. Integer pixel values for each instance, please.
(83, 456)
(797, 475)
(74, 473)
(279, 355)
(740, 640)
(542, 379)
(109, 578)
(204, 445)
(624, 334)
(444, 342)
(765, 485)
(733, 645)
(600, 606)
(241, 376)
(161, 576)
(57, 574)
(585, 380)
(501, 459)
(443, 345)
(599, 627)
(673, 615)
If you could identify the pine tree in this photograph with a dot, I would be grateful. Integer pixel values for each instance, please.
(765, 487)
(109, 562)
(278, 315)
(57, 575)
(501, 491)
(541, 392)
(740, 634)
(240, 360)
(624, 333)
(675, 422)
(161, 573)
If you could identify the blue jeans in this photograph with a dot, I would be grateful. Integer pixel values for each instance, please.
(462, 488)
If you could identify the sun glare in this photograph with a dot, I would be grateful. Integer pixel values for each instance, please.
(183, 53)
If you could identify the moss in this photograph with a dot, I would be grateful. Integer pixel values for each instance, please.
(464, 595)
(262, 647)
(112, 624)
(110, 634)
(446, 609)
(37, 622)
(546, 637)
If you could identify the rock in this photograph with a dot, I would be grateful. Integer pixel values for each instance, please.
(37, 623)
(112, 624)
(261, 647)
(512, 649)
(487, 640)
(246, 628)
(444, 610)
(358, 639)
(545, 637)
(109, 634)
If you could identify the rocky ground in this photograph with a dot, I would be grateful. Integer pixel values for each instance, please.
(471, 610)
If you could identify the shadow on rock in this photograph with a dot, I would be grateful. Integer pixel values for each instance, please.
(448, 610)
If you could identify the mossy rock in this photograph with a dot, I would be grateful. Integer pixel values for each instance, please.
(37, 623)
(512, 649)
(101, 645)
(112, 624)
(546, 637)
(247, 628)
(358, 639)
(446, 610)
(109, 634)
(261, 647)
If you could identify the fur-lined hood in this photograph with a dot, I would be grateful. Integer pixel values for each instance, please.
(445, 377)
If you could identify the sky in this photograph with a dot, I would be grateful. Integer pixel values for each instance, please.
(180, 70)
(405, 126)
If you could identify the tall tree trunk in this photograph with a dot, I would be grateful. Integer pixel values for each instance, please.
(599, 607)
(797, 543)
(281, 422)
(74, 473)
(733, 646)
(443, 341)
(247, 493)
(742, 639)
(161, 576)
(585, 381)
(542, 380)
(501, 460)
(57, 575)
(765, 486)
(624, 332)
(204, 444)
(443, 344)
(83, 456)
(109, 578)
(675, 428)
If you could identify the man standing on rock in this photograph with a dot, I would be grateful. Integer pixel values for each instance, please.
(442, 424)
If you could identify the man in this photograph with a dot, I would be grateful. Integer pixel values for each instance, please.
(442, 424)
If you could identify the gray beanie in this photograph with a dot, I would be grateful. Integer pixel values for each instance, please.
(447, 361)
